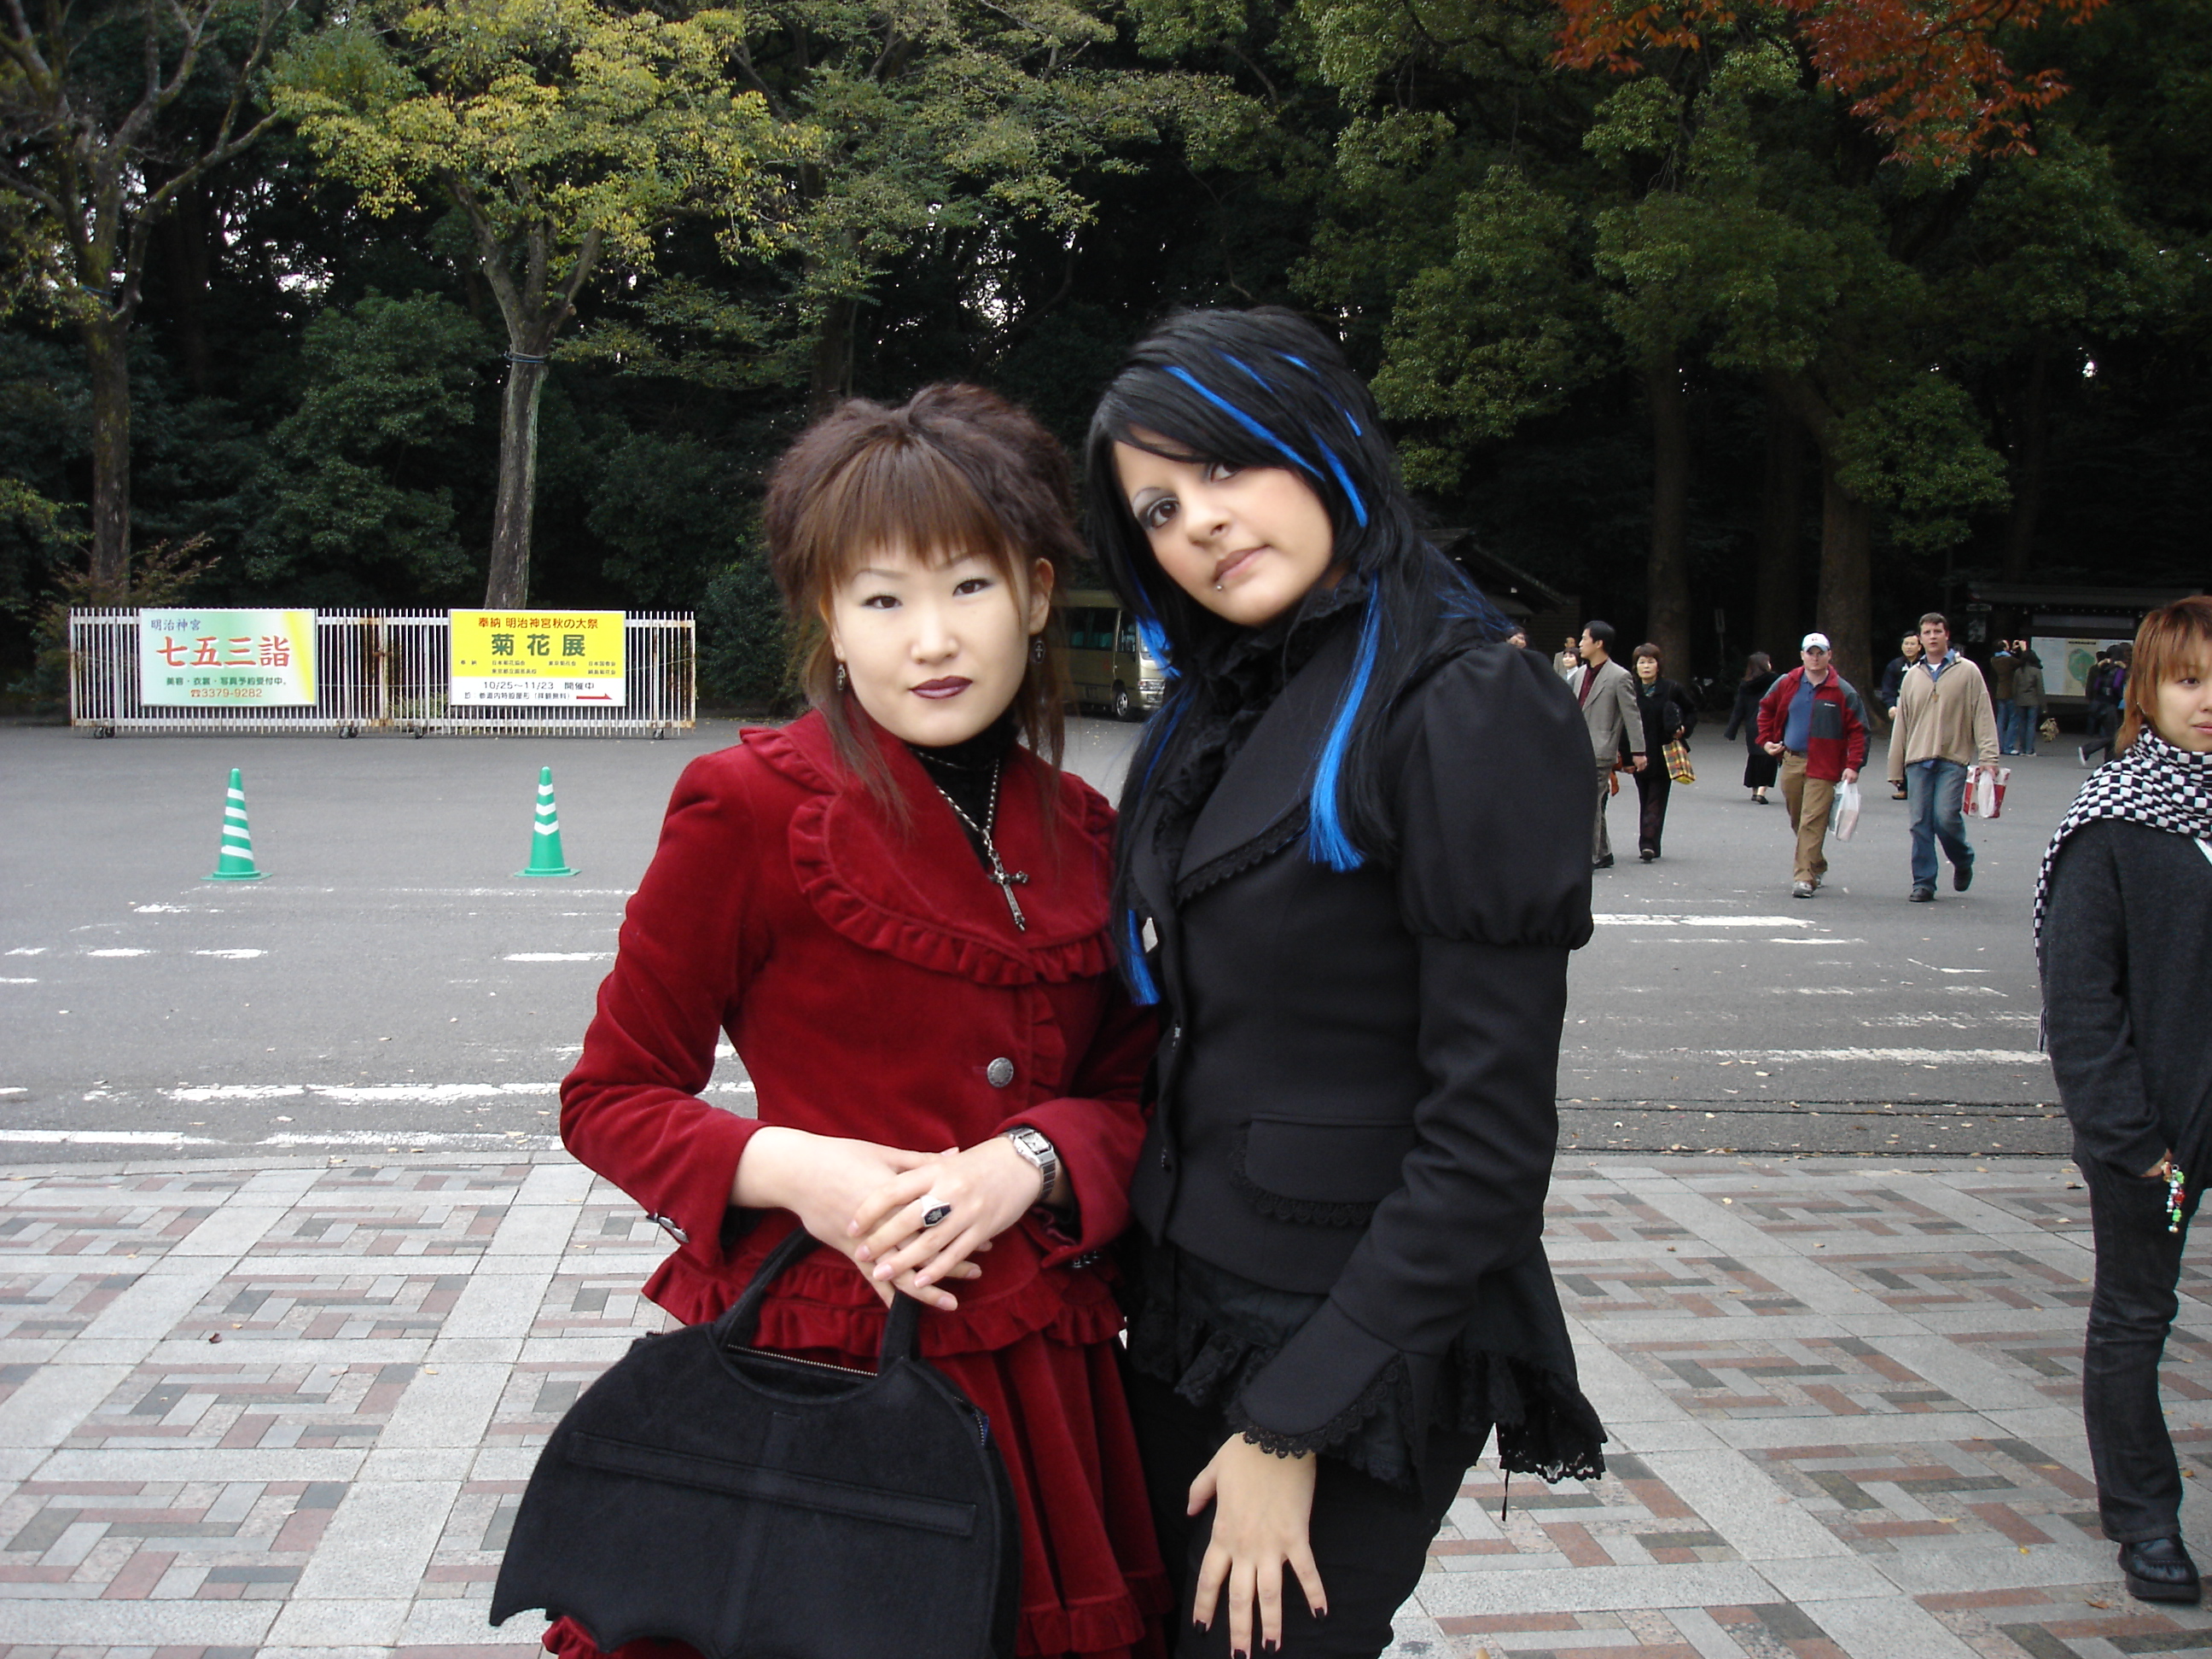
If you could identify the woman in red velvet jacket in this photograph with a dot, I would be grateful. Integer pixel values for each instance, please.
(898, 914)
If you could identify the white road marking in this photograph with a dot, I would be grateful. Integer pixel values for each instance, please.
(18, 981)
(28, 951)
(560, 956)
(120, 950)
(1879, 1056)
(107, 1138)
(413, 1140)
(232, 955)
(386, 1094)
(1656, 919)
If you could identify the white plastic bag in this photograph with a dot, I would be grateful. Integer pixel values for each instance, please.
(1843, 816)
(1985, 795)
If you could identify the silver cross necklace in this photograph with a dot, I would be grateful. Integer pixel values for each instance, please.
(1007, 880)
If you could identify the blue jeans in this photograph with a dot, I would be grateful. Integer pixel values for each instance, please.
(1935, 798)
(2025, 718)
(2008, 724)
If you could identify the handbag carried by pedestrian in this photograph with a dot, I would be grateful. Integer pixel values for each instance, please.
(1677, 762)
(746, 1502)
(1986, 797)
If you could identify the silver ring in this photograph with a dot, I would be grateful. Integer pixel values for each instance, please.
(934, 1210)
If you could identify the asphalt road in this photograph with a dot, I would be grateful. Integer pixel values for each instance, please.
(393, 985)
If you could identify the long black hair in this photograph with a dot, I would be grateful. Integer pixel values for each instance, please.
(1264, 388)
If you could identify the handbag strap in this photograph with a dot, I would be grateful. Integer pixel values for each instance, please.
(735, 1328)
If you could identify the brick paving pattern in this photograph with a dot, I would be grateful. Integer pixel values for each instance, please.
(291, 1411)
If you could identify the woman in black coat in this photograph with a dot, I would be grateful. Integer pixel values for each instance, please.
(1352, 859)
(1760, 767)
(2123, 938)
(1668, 717)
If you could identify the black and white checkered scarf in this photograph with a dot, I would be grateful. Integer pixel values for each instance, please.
(2151, 782)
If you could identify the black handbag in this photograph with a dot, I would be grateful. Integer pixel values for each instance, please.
(759, 1506)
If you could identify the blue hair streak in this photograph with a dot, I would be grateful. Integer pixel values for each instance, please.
(1132, 958)
(1251, 373)
(1326, 842)
(1242, 419)
(1343, 478)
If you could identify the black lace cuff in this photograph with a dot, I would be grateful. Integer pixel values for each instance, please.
(1389, 1388)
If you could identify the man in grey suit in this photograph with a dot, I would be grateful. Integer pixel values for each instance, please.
(1608, 696)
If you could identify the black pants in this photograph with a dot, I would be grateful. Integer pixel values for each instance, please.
(1369, 1539)
(1653, 785)
(2132, 1307)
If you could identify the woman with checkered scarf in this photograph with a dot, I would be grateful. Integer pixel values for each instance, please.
(2124, 938)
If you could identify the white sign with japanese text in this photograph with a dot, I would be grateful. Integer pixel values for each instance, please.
(199, 659)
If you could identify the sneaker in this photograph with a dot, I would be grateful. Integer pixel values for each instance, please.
(2160, 1570)
(1962, 877)
(1800, 889)
(1922, 894)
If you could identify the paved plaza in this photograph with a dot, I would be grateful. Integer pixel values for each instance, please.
(288, 1408)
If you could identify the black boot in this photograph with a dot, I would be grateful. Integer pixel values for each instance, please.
(2160, 1570)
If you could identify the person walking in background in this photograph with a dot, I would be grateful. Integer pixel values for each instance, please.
(1760, 767)
(2107, 689)
(1892, 686)
(1667, 717)
(1606, 693)
(1570, 657)
(1893, 677)
(1812, 721)
(2026, 698)
(2004, 664)
(1945, 725)
(2123, 941)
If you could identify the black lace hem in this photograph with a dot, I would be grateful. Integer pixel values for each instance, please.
(1312, 1211)
(1210, 1351)
(1390, 1387)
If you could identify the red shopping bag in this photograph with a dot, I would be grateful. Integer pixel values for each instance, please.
(1985, 793)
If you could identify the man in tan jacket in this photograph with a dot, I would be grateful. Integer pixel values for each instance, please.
(1945, 725)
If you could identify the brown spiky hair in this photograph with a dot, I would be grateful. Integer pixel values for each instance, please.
(955, 469)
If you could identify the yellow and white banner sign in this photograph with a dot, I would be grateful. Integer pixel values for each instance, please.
(537, 657)
(200, 659)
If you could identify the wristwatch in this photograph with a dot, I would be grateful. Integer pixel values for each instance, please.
(1040, 1154)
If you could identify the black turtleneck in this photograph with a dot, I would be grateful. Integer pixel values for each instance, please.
(966, 771)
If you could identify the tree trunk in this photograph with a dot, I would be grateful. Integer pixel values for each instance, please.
(1777, 603)
(508, 582)
(2029, 456)
(831, 377)
(189, 233)
(107, 352)
(1845, 607)
(1667, 578)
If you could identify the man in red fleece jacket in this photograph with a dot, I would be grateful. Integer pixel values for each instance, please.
(1812, 719)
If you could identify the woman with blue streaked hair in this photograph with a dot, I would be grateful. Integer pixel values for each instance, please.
(1351, 860)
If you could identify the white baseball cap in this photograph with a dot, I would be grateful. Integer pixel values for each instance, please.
(1815, 642)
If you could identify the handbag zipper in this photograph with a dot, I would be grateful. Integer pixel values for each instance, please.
(793, 1359)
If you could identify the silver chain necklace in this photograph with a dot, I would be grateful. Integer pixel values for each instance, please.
(1007, 880)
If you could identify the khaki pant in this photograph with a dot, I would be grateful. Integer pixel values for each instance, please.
(1808, 800)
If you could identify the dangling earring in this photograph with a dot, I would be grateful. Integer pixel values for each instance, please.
(1037, 647)
(841, 678)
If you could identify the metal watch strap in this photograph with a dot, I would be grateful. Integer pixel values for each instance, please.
(1040, 1154)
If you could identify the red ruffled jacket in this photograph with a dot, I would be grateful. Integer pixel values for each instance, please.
(872, 982)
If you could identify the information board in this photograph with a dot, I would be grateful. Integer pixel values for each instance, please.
(195, 658)
(2067, 660)
(537, 657)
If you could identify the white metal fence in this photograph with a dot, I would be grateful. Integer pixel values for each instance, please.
(388, 670)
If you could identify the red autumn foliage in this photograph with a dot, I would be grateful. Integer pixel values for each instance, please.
(1927, 75)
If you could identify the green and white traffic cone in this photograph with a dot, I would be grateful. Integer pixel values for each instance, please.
(235, 862)
(545, 858)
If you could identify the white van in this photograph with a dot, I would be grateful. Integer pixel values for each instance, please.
(1107, 664)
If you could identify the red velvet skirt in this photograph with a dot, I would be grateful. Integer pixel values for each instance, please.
(1092, 1583)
